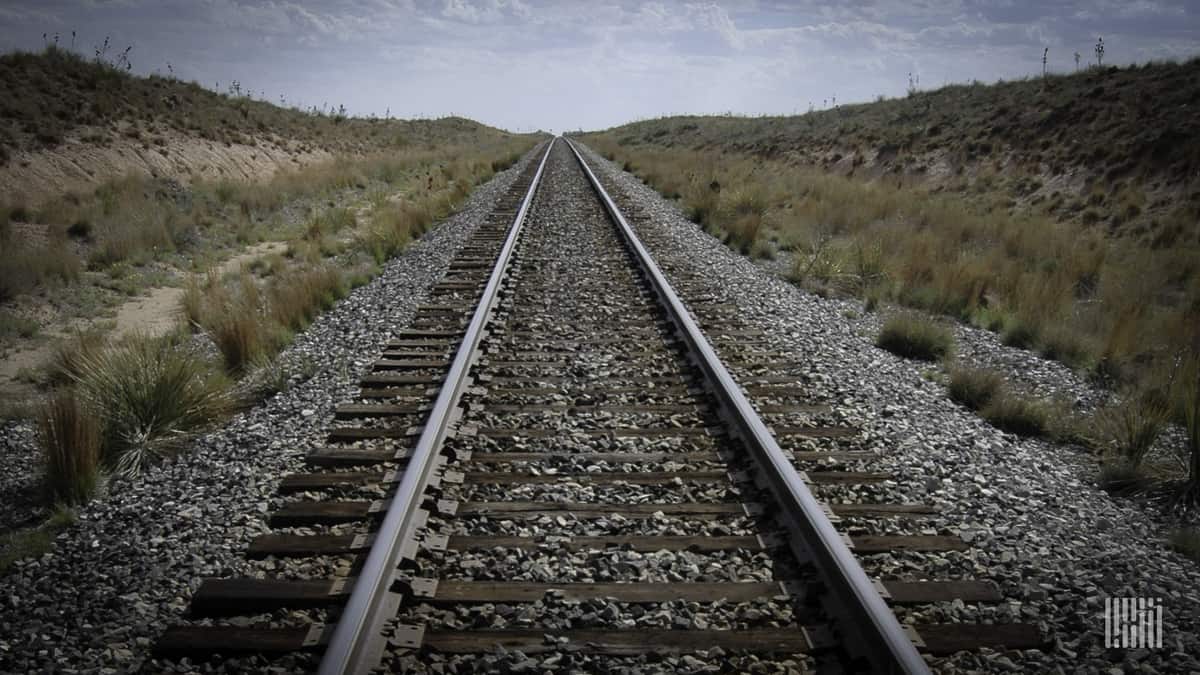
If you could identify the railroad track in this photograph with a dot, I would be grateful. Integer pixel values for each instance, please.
(561, 458)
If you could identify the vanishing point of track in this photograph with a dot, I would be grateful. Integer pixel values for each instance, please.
(558, 396)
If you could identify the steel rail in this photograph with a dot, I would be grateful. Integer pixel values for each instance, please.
(865, 616)
(357, 643)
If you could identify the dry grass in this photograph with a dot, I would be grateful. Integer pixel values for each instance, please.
(23, 269)
(66, 362)
(49, 96)
(1018, 414)
(70, 438)
(1129, 429)
(137, 219)
(248, 323)
(295, 299)
(974, 388)
(1093, 301)
(913, 337)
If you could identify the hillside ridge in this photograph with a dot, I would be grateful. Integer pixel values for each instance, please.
(1113, 147)
(68, 123)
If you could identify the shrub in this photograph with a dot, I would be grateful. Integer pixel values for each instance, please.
(149, 392)
(1017, 414)
(974, 388)
(913, 337)
(70, 439)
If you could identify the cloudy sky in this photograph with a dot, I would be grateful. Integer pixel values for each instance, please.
(556, 65)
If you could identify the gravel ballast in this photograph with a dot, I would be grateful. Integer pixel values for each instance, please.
(1055, 543)
(125, 572)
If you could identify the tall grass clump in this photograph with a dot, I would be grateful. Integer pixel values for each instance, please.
(1129, 429)
(913, 337)
(1187, 403)
(149, 392)
(23, 269)
(974, 388)
(70, 440)
(296, 298)
(1017, 414)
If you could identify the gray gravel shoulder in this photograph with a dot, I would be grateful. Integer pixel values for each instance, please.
(1055, 543)
(125, 572)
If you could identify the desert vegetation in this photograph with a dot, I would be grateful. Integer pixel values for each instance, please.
(114, 403)
(1060, 213)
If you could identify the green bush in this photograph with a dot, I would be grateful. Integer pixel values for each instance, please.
(912, 337)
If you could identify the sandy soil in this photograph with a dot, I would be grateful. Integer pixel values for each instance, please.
(32, 177)
(154, 313)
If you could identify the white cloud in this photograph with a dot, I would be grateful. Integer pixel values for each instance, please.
(562, 63)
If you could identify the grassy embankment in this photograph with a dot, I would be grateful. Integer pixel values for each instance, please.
(1061, 213)
(117, 404)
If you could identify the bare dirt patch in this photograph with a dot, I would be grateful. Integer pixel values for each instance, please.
(154, 313)
(77, 164)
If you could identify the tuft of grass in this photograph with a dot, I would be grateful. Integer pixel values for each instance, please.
(35, 541)
(296, 298)
(1019, 333)
(1186, 541)
(70, 439)
(1130, 428)
(23, 269)
(1119, 477)
(149, 393)
(974, 388)
(65, 364)
(1017, 414)
(241, 336)
(913, 337)
(1062, 343)
(1187, 408)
